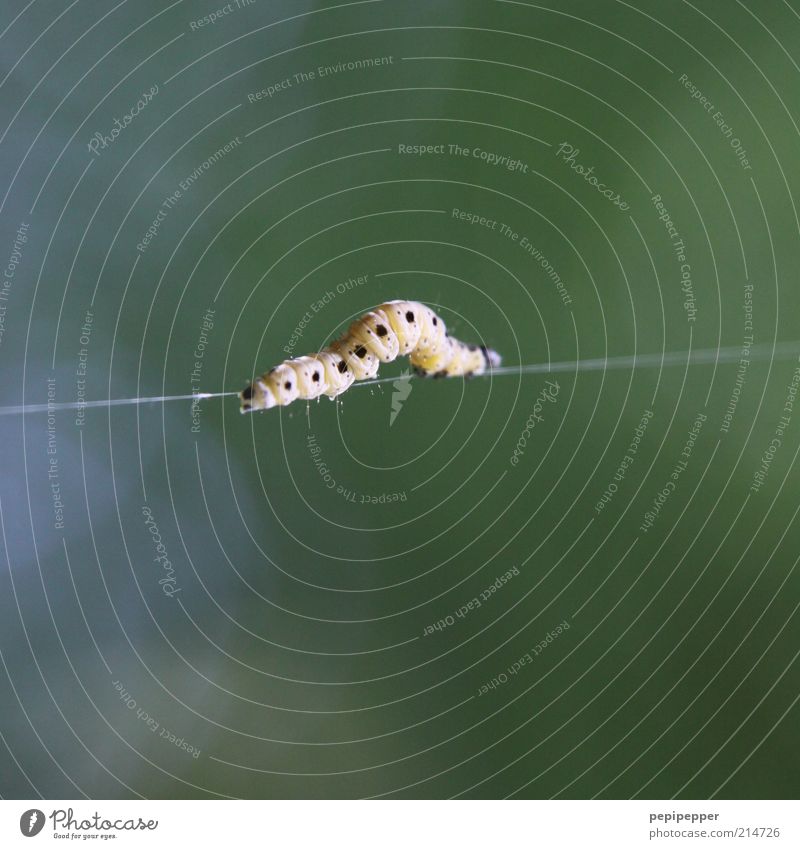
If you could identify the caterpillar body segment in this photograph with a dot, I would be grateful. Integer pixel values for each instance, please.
(338, 376)
(402, 320)
(396, 328)
(310, 377)
(374, 330)
(432, 335)
(360, 360)
(281, 384)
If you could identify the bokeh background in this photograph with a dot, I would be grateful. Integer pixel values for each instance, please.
(378, 597)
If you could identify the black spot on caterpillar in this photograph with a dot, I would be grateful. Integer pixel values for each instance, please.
(393, 329)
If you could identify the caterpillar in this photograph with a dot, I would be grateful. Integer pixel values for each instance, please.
(391, 330)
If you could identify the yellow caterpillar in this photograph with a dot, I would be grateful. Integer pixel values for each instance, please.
(393, 329)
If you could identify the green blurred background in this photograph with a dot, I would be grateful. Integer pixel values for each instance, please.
(290, 648)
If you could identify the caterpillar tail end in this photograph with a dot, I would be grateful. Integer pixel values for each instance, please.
(254, 397)
(493, 359)
(245, 398)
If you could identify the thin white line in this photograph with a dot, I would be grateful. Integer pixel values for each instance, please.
(703, 356)
(106, 402)
(15, 20)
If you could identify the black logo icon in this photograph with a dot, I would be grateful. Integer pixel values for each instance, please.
(31, 822)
